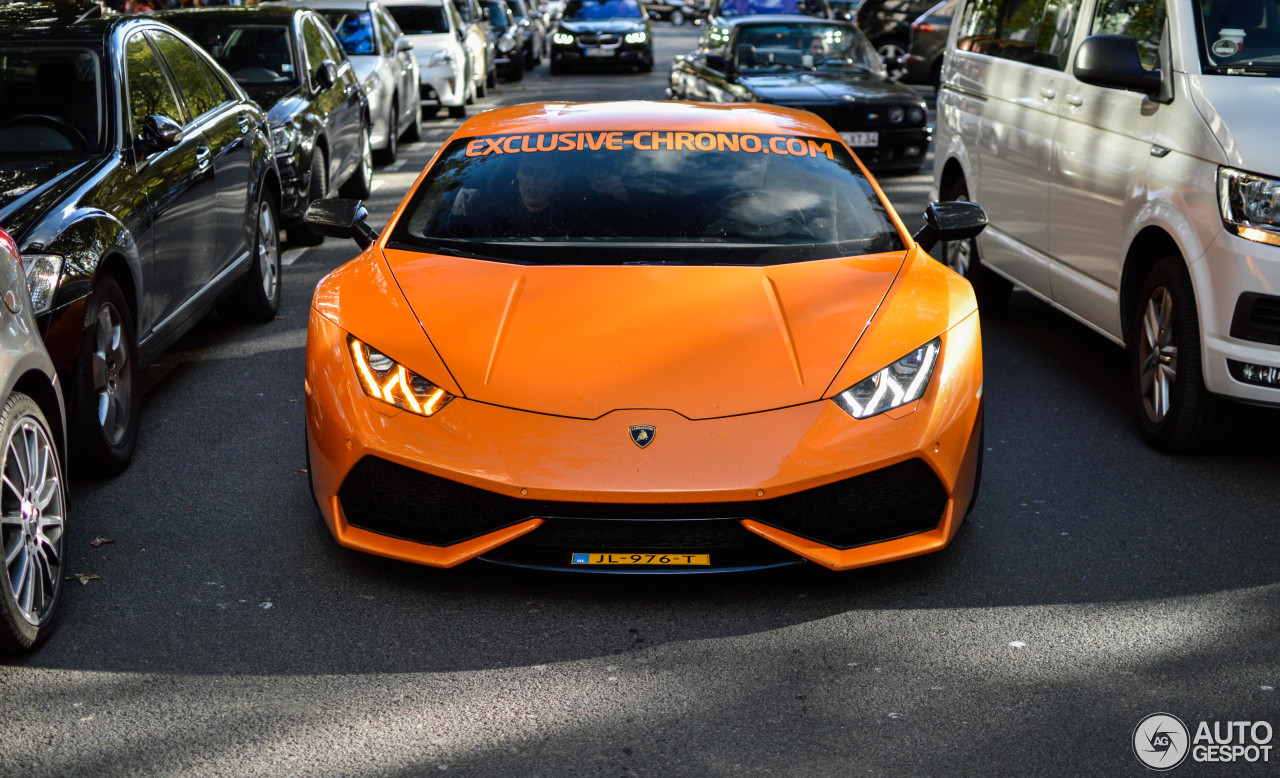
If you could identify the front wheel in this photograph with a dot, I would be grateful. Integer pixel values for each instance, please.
(388, 155)
(104, 398)
(33, 501)
(360, 185)
(992, 290)
(1177, 414)
(516, 69)
(414, 133)
(301, 234)
(259, 298)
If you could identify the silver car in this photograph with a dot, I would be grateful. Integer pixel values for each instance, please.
(33, 490)
(385, 65)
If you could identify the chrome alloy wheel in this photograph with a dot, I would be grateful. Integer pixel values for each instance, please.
(268, 250)
(32, 519)
(1158, 354)
(112, 381)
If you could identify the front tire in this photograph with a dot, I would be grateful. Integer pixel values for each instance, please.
(992, 290)
(33, 504)
(104, 383)
(259, 298)
(1176, 413)
(360, 185)
(517, 67)
(317, 184)
(388, 155)
(414, 133)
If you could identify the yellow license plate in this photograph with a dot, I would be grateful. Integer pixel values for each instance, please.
(641, 559)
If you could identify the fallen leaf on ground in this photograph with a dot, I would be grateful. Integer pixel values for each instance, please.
(101, 541)
(303, 470)
(83, 578)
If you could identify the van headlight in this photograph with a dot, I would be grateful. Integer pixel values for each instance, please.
(902, 382)
(1250, 205)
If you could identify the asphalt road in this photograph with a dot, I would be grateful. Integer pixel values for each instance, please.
(1096, 582)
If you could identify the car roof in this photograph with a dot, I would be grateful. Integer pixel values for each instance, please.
(743, 21)
(275, 13)
(51, 22)
(335, 5)
(662, 116)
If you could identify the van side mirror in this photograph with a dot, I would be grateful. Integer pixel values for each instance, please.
(950, 220)
(1113, 61)
(338, 217)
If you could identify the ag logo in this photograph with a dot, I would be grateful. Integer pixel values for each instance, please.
(1160, 741)
(642, 435)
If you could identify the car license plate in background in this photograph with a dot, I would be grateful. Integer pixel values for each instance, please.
(862, 139)
(642, 559)
(598, 52)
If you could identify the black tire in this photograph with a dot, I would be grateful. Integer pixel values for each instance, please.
(982, 449)
(558, 67)
(103, 444)
(258, 299)
(530, 56)
(646, 65)
(430, 111)
(992, 290)
(301, 234)
(23, 626)
(458, 111)
(516, 68)
(414, 133)
(490, 79)
(387, 155)
(1176, 413)
(360, 185)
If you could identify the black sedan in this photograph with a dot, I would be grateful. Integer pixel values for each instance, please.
(138, 181)
(511, 39)
(825, 67)
(290, 62)
(602, 32)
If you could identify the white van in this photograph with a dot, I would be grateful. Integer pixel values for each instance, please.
(1126, 154)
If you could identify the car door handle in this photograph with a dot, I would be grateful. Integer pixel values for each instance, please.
(245, 123)
(203, 159)
(1048, 92)
(1075, 100)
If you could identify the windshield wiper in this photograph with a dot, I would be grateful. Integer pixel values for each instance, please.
(1242, 68)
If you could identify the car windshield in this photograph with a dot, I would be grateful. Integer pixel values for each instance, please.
(585, 10)
(251, 53)
(354, 30)
(497, 13)
(1239, 37)
(52, 101)
(783, 46)
(754, 7)
(420, 19)
(646, 197)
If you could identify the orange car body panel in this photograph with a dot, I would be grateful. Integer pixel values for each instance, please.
(734, 366)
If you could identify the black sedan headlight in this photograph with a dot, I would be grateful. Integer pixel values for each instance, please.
(562, 39)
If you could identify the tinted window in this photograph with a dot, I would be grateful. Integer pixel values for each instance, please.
(1033, 31)
(582, 10)
(191, 73)
(750, 7)
(785, 46)
(354, 30)
(61, 83)
(252, 54)
(420, 19)
(149, 90)
(497, 13)
(1236, 33)
(646, 197)
(1142, 20)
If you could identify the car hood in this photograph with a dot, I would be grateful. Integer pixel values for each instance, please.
(1234, 109)
(603, 25)
(364, 65)
(280, 101)
(826, 87)
(705, 342)
(29, 188)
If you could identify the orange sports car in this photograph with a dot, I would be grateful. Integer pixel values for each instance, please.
(644, 337)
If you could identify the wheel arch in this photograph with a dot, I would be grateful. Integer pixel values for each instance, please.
(1148, 247)
(36, 385)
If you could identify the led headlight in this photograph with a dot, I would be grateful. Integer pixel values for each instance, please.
(506, 44)
(900, 383)
(441, 57)
(1250, 205)
(636, 37)
(284, 138)
(43, 271)
(562, 38)
(382, 378)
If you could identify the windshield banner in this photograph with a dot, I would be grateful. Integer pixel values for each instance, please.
(646, 140)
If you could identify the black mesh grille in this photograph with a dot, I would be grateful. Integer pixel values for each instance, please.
(390, 499)
(1257, 318)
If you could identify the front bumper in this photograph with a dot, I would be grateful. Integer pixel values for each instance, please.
(777, 487)
(441, 85)
(900, 149)
(621, 54)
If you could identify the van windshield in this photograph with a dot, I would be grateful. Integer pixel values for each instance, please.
(646, 197)
(1239, 37)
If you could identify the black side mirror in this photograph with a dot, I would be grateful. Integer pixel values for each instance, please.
(327, 74)
(339, 217)
(1113, 61)
(950, 220)
(159, 133)
(718, 62)
(403, 44)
